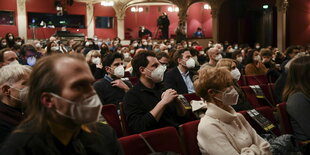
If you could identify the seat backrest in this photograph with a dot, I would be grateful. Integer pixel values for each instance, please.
(162, 140)
(284, 119)
(188, 132)
(123, 119)
(192, 96)
(250, 96)
(242, 81)
(109, 112)
(133, 80)
(127, 74)
(268, 113)
(256, 79)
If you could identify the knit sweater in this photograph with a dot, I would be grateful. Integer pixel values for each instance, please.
(222, 132)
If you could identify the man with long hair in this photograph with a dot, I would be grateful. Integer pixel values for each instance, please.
(62, 111)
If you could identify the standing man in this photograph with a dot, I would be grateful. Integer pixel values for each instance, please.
(146, 106)
(180, 77)
(163, 24)
(62, 110)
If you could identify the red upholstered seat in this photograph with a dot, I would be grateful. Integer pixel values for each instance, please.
(284, 119)
(268, 113)
(259, 102)
(133, 80)
(188, 132)
(123, 120)
(257, 79)
(162, 140)
(109, 112)
(242, 81)
(250, 96)
(190, 97)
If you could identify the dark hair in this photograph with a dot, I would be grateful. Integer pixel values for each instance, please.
(140, 60)
(249, 58)
(266, 52)
(179, 54)
(111, 57)
(290, 50)
(2, 53)
(27, 47)
(160, 55)
(298, 77)
(235, 53)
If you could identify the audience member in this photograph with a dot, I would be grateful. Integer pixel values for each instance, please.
(61, 113)
(7, 56)
(146, 106)
(13, 94)
(254, 65)
(93, 59)
(222, 130)
(111, 89)
(214, 56)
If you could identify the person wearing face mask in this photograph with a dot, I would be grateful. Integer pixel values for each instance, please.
(10, 40)
(214, 56)
(29, 55)
(222, 130)
(111, 89)
(146, 106)
(231, 65)
(180, 77)
(7, 56)
(3, 44)
(13, 92)
(63, 112)
(93, 59)
(254, 65)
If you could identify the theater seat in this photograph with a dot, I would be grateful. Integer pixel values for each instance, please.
(256, 79)
(284, 119)
(109, 112)
(190, 97)
(188, 133)
(133, 80)
(268, 113)
(161, 140)
(124, 124)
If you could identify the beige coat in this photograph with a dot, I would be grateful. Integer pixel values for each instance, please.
(221, 132)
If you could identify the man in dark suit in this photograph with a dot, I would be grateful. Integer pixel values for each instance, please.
(180, 77)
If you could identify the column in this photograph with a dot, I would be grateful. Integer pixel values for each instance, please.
(22, 19)
(281, 24)
(215, 25)
(90, 20)
(120, 25)
(183, 18)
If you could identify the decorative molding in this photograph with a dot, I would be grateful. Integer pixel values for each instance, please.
(282, 5)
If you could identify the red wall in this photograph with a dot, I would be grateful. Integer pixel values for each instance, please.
(298, 22)
(148, 18)
(47, 6)
(8, 6)
(199, 17)
(100, 10)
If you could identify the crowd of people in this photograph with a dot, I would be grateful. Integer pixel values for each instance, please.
(52, 92)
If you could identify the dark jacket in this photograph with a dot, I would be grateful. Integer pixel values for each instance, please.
(173, 79)
(9, 118)
(103, 142)
(139, 101)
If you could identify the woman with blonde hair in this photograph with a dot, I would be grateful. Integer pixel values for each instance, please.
(231, 65)
(222, 130)
(93, 59)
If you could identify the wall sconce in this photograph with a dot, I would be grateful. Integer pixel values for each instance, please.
(173, 9)
(207, 7)
(136, 9)
(107, 3)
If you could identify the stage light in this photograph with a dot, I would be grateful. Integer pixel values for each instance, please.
(265, 6)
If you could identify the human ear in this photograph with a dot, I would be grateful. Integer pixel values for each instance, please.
(5, 89)
(47, 100)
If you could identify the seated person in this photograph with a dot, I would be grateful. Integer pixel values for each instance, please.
(93, 58)
(146, 106)
(231, 65)
(297, 97)
(180, 77)
(222, 130)
(13, 91)
(144, 32)
(163, 59)
(7, 56)
(214, 55)
(254, 65)
(198, 33)
(111, 89)
(28, 55)
(63, 109)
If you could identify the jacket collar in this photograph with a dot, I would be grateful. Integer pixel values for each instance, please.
(221, 114)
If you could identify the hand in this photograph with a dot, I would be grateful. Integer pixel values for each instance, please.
(99, 66)
(168, 96)
(120, 84)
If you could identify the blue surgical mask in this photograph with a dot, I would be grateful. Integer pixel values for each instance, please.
(31, 60)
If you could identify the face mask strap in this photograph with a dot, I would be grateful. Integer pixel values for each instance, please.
(64, 99)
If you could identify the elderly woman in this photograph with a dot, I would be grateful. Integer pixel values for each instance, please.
(93, 58)
(222, 130)
(231, 65)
